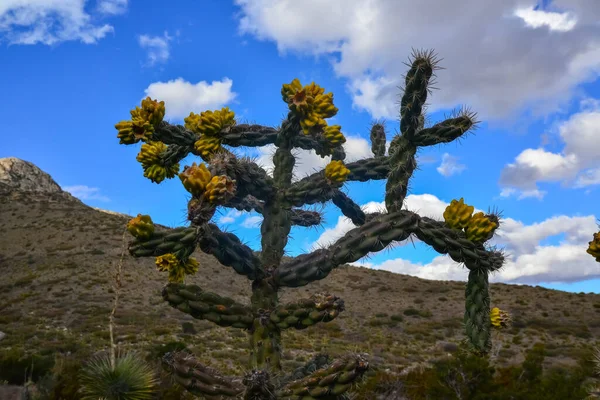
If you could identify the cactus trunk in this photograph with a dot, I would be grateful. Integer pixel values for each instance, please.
(265, 336)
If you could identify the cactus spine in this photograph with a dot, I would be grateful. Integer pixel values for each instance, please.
(235, 182)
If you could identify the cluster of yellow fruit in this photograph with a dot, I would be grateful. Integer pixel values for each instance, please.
(141, 227)
(594, 247)
(500, 319)
(336, 171)
(177, 270)
(208, 125)
(477, 227)
(150, 158)
(198, 181)
(143, 122)
(312, 106)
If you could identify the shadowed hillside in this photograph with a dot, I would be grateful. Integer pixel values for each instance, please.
(57, 257)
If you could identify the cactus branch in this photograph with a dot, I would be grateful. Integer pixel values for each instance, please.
(250, 178)
(223, 311)
(348, 207)
(447, 130)
(368, 169)
(374, 236)
(333, 380)
(299, 217)
(307, 312)
(200, 379)
(229, 251)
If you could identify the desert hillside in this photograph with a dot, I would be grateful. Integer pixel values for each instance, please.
(57, 257)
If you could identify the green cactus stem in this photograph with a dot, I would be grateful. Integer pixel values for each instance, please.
(477, 311)
(375, 236)
(307, 312)
(199, 379)
(299, 217)
(333, 380)
(348, 207)
(378, 140)
(223, 311)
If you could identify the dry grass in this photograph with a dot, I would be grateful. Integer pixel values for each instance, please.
(57, 259)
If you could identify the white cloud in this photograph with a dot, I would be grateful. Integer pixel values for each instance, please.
(577, 165)
(50, 21)
(252, 222)
(83, 192)
(230, 217)
(495, 60)
(112, 6)
(182, 97)
(157, 47)
(450, 166)
(527, 260)
(561, 22)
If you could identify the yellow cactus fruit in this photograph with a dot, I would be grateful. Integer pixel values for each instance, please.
(210, 123)
(458, 214)
(141, 227)
(191, 266)
(310, 103)
(195, 178)
(324, 105)
(166, 262)
(142, 123)
(333, 135)
(479, 227)
(157, 173)
(150, 153)
(191, 122)
(207, 146)
(314, 90)
(219, 189)
(312, 121)
(290, 89)
(336, 171)
(150, 158)
(499, 318)
(594, 247)
(131, 132)
(154, 110)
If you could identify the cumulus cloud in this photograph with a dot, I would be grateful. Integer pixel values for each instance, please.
(112, 6)
(53, 21)
(156, 46)
(577, 165)
(83, 192)
(450, 166)
(500, 56)
(230, 217)
(252, 221)
(527, 259)
(182, 97)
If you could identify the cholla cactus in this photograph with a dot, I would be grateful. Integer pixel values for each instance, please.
(239, 183)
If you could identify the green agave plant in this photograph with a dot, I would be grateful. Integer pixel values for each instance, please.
(130, 379)
(594, 389)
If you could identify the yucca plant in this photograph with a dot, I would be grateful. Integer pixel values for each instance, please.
(594, 389)
(130, 378)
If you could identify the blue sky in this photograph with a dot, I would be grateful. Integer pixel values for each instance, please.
(72, 69)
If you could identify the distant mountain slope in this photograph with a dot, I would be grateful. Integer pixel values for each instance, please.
(57, 257)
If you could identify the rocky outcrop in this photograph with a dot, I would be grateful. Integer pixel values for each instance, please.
(21, 178)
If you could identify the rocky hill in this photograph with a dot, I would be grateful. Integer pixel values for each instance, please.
(57, 260)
